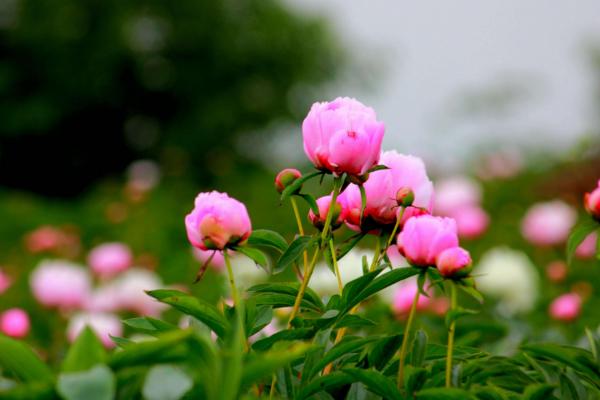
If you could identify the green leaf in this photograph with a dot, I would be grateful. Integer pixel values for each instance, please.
(265, 364)
(376, 383)
(414, 378)
(287, 334)
(291, 289)
(267, 238)
(97, 383)
(166, 382)
(18, 359)
(199, 309)
(255, 255)
(310, 200)
(262, 317)
(84, 353)
(347, 245)
(444, 394)
(149, 325)
(472, 292)
(347, 346)
(168, 346)
(378, 168)
(419, 347)
(293, 252)
(538, 391)
(363, 201)
(231, 358)
(355, 286)
(297, 185)
(383, 351)
(354, 321)
(578, 235)
(320, 341)
(325, 383)
(457, 313)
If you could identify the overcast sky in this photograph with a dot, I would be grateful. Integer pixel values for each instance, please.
(449, 77)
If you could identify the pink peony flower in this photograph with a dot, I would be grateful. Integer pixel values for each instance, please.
(454, 262)
(342, 136)
(587, 248)
(382, 188)
(591, 202)
(566, 307)
(108, 259)
(337, 218)
(404, 294)
(423, 238)
(285, 178)
(454, 193)
(105, 298)
(104, 326)
(5, 281)
(548, 223)
(471, 221)
(59, 283)
(15, 323)
(217, 261)
(217, 221)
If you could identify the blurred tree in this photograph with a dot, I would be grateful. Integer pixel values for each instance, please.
(86, 86)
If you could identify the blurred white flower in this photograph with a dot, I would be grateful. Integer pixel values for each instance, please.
(131, 291)
(509, 276)
(245, 271)
(324, 281)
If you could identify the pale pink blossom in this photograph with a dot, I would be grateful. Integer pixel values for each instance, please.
(109, 259)
(132, 286)
(548, 223)
(471, 222)
(61, 284)
(104, 326)
(404, 295)
(342, 136)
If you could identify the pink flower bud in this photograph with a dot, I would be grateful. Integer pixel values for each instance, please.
(15, 323)
(549, 223)
(566, 307)
(104, 326)
(556, 271)
(217, 221)
(108, 259)
(591, 202)
(404, 173)
(61, 284)
(587, 248)
(342, 136)
(336, 219)
(405, 197)
(285, 178)
(423, 238)
(454, 262)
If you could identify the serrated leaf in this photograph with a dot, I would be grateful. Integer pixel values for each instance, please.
(267, 238)
(20, 360)
(578, 235)
(297, 185)
(85, 352)
(293, 252)
(457, 313)
(376, 383)
(199, 309)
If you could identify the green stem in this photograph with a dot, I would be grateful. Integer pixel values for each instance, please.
(334, 195)
(300, 229)
(335, 266)
(234, 292)
(450, 337)
(403, 349)
(376, 255)
(303, 286)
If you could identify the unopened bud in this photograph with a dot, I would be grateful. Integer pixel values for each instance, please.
(454, 262)
(591, 201)
(337, 217)
(285, 178)
(405, 197)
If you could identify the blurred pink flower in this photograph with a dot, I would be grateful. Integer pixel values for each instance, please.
(548, 223)
(323, 203)
(471, 221)
(587, 248)
(454, 193)
(216, 221)
(382, 187)
(423, 238)
(5, 281)
(591, 202)
(105, 298)
(404, 294)
(131, 292)
(104, 326)
(566, 307)
(15, 323)
(44, 238)
(59, 283)
(108, 259)
(454, 262)
(342, 136)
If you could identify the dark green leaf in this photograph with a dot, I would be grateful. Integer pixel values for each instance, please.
(375, 382)
(168, 346)
(287, 334)
(267, 238)
(354, 287)
(414, 378)
(231, 358)
(457, 313)
(578, 235)
(294, 251)
(444, 394)
(325, 383)
(195, 307)
(354, 321)
(539, 391)
(320, 341)
(18, 359)
(84, 353)
(265, 364)
(97, 383)
(348, 345)
(383, 351)
(288, 288)
(297, 185)
(363, 201)
(378, 168)
(149, 325)
(310, 200)
(419, 347)
(471, 291)
(345, 247)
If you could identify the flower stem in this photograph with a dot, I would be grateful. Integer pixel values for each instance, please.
(450, 337)
(300, 231)
(303, 286)
(234, 292)
(336, 189)
(335, 266)
(376, 255)
(403, 349)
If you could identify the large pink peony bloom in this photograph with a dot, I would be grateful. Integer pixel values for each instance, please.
(591, 202)
(59, 283)
(548, 223)
(216, 221)
(423, 238)
(381, 189)
(342, 136)
(108, 259)
(566, 307)
(15, 323)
